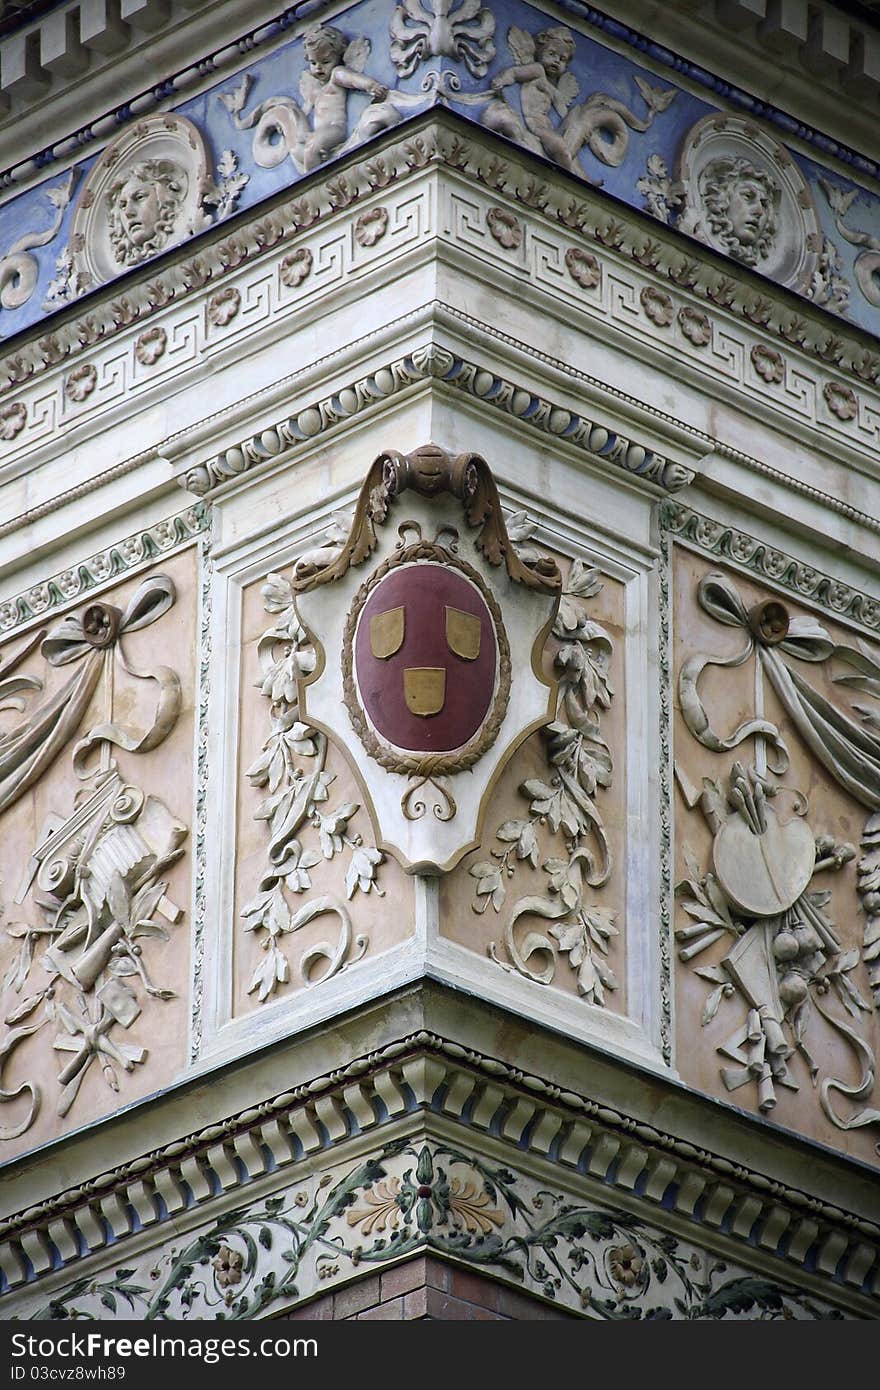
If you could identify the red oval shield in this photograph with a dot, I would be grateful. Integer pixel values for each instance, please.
(425, 658)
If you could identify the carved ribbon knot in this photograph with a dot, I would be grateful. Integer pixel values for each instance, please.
(90, 639)
(850, 751)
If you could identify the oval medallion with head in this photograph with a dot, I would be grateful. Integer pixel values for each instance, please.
(427, 665)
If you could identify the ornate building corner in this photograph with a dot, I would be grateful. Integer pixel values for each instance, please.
(473, 1161)
(439, 879)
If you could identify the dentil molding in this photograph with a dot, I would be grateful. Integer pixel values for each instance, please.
(532, 1122)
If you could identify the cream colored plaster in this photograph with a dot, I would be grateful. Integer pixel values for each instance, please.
(459, 922)
(166, 773)
(728, 696)
(385, 918)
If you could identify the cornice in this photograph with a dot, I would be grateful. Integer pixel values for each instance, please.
(682, 435)
(81, 65)
(822, 48)
(444, 363)
(430, 1073)
(796, 65)
(446, 366)
(430, 363)
(123, 557)
(719, 541)
(669, 325)
(443, 140)
(441, 363)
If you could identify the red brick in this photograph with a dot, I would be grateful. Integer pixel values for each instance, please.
(415, 1304)
(525, 1309)
(392, 1311)
(320, 1309)
(401, 1278)
(437, 1273)
(474, 1288)
(356, 1297)
(443, 1305)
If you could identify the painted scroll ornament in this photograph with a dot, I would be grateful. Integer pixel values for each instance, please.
(427, 667)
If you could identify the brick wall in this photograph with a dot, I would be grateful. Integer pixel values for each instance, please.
(426, 1288)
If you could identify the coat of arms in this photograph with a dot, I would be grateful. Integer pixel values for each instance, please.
(428, 636)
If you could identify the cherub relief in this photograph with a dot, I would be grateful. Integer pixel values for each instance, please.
(312, 132)
(546, 85)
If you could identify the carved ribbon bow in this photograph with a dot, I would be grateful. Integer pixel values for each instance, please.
(88, 638)
(848, 750)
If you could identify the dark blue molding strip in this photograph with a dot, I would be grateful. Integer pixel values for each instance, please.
(728, 91)
(171, 86)
(301, 9)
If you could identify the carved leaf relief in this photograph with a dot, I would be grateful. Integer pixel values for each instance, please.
(313, 859)
(539, 885)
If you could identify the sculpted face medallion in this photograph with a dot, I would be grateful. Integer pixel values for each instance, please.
(142, 196)
(745, 196)
(145, 206)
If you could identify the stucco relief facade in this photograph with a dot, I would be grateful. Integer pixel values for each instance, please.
(306, 860)
(780, 935)
(439, 680)
(554, 828)
(96, 862)
(651, 135)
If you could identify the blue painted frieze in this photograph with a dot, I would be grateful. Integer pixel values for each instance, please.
(309, 98)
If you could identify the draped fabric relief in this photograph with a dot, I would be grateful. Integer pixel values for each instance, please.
(777, 764)
(95, 803)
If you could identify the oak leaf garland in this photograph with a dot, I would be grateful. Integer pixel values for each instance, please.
(305, 829)
(579, 765)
